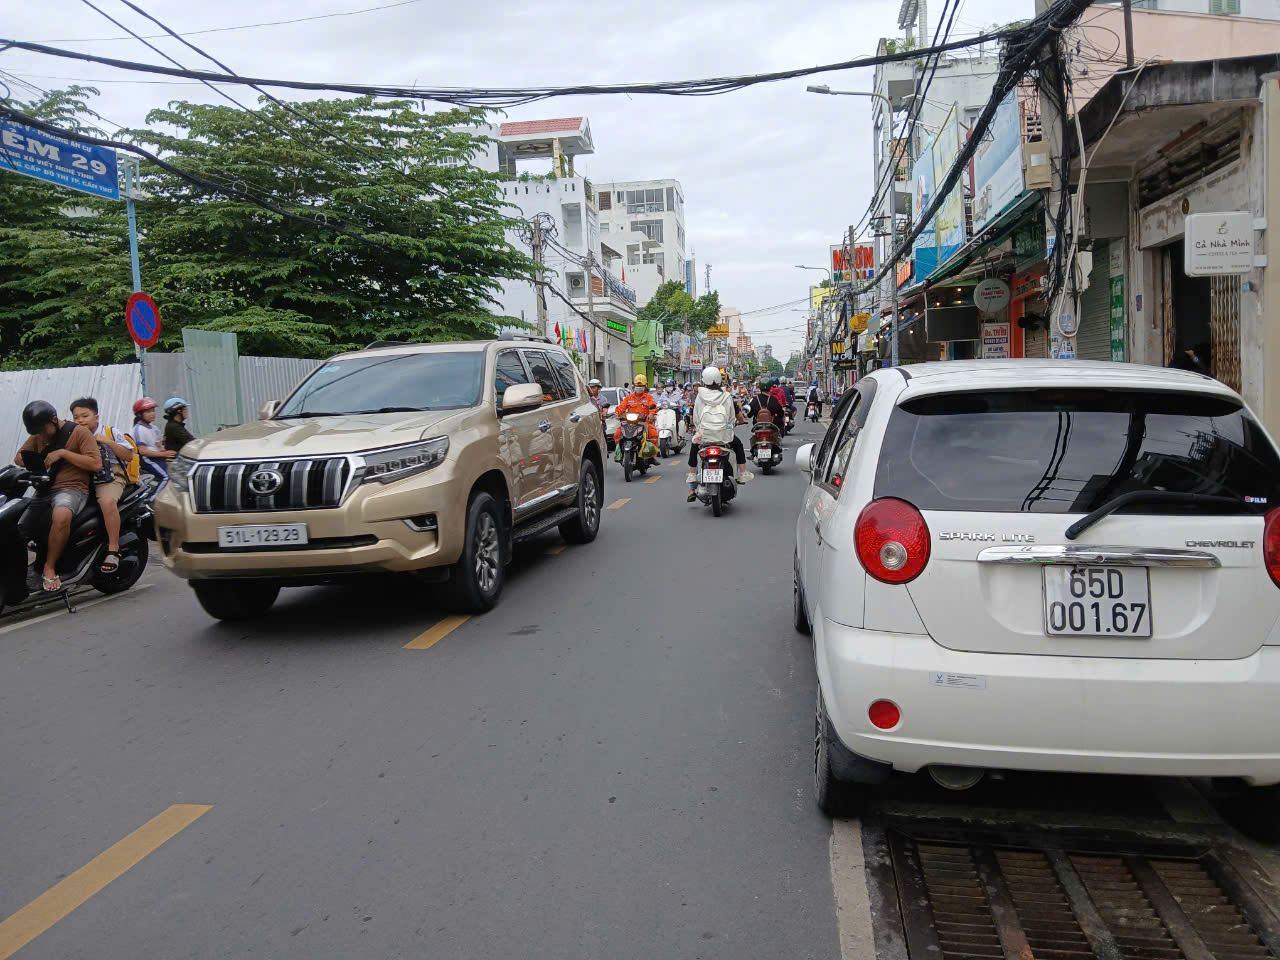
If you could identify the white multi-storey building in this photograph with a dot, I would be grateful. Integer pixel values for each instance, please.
(596, 326)
(645, 219)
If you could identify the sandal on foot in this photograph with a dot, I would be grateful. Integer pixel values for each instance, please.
(111, 562)
(52, 584)
(692, 497)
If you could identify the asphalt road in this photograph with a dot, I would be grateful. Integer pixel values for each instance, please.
(613, 763)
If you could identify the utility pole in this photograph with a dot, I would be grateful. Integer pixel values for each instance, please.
(893, 272)
(538, 283)
(130, 189)
(1051, 120)
(1128, 33)
(591, 299)
(708, 278)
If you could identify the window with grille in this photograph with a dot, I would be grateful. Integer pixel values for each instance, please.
(1225, 7)
(605, 201)
(645, 201)
(652, 229)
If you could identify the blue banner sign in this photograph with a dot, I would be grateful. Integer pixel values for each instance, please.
(66, 163)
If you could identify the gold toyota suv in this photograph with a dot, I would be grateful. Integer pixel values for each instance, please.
(428, 458)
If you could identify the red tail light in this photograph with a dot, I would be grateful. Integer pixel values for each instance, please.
(713, 451)
(1271, 545)
(884, 714)
(892, 540)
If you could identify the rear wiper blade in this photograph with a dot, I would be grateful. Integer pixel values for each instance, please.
(394, 410)
(1140, 496)
(309, 413)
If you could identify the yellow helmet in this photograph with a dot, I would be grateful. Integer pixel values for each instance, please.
(640, 380)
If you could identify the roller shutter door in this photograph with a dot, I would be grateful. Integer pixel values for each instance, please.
(1093, 342)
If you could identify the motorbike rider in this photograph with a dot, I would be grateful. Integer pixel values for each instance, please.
(176, 434)
(714, 416)
(767, 401)
(70, 456)
(815, 397)
(670, 396)
(593, 388)
(774, 389)
(640, 401)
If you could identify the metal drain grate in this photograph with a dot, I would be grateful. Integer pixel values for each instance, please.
(1025, 898)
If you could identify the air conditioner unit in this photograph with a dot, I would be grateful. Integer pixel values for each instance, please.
(576, 283)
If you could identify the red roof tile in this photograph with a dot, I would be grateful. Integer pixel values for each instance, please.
(520, 127)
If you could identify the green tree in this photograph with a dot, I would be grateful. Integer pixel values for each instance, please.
(426, 260)
(672, 306)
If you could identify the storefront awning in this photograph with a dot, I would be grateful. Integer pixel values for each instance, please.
(995, 233)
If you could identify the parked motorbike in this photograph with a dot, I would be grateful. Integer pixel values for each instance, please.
(766, 446)
(715, 480)
(86, 547)
(634, 441)
(670, 432)
(811, 412)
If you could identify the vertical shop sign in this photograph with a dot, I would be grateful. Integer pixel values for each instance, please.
(1117, 319)
(995, 341)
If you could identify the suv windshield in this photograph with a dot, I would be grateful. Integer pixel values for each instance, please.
(379, 383)
(1070, 451)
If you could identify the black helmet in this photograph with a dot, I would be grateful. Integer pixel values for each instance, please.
(765, 384)
(37, 414)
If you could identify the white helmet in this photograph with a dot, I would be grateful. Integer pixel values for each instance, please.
(711, 376)
(593, 382)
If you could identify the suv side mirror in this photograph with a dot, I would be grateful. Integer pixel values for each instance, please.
(520, 396)
(804, 456)
(268, 409)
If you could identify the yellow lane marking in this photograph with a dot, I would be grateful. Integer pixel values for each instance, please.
(435, 634)
(653, 479)
(555, 549)
(70, 892)
(619, 503)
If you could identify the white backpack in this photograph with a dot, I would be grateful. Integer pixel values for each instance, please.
(717, 415)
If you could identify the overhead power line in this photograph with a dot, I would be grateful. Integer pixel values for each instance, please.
(243, 26)
(512, 96)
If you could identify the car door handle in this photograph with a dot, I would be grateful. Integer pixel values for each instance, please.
(544, 426)
(575, 418)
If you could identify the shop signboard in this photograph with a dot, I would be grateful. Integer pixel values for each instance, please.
(57, 160)
(945, 233)
(991, 295)
(995, 341)
(1218, 244)
(1028, 241)
(1117, 318)
(850, 265)
(718, 331)
(859, 322)
(695, 361)
(903, 273)
(997, 165)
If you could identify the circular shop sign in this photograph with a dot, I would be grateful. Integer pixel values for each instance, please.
(991, 295)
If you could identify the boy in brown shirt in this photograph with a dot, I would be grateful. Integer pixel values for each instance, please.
(71, 462)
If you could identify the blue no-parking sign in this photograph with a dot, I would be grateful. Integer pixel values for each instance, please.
(57, 160)
(143, 319)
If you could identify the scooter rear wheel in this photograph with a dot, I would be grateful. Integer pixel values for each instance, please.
(133, 564)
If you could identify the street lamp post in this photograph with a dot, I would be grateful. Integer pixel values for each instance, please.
(893, 208)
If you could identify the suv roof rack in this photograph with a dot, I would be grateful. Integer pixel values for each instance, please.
(385, 343)
(512, 335)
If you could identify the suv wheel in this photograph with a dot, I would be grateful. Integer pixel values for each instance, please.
(1255, 811)
(799, 616)
(584, 527)
(836, 797)
(478, 575)
(235, 599)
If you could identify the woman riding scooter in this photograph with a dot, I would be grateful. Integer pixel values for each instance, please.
(714, 417)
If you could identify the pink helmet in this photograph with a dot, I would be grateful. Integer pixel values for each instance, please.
(146, 403)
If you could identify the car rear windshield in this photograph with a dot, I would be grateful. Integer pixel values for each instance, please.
(1070, 451)
(399, 382)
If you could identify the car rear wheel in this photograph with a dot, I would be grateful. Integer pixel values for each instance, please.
(584, 527)
(836, 797)
(233, 600)
(1255, 811)
(799, 616)
(477, 577)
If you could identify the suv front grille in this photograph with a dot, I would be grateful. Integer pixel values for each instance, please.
(307, 485)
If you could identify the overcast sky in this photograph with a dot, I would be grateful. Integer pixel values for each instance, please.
(772, 175)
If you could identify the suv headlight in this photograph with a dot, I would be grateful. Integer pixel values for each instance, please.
(396, 463)
(180, 472)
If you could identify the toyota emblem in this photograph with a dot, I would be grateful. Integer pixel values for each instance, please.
(265, 482)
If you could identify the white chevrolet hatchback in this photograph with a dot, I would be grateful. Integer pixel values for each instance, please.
(1047, 566)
